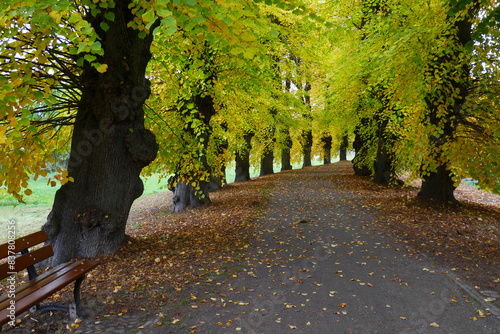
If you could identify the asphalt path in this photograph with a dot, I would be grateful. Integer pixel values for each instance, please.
(321, 266)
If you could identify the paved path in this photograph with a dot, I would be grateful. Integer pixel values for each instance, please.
(334, 272)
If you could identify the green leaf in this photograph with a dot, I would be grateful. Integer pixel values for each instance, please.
(149, 16)
(110, 16)
(163, 12)
(104, 26)
(90, 58)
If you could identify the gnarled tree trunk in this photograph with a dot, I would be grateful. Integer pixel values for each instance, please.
(109, 147)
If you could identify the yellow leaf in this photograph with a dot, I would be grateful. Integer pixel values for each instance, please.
(103, 68)
(434, 324)
(56, 16)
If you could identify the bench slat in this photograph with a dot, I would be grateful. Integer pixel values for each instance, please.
(23, 243)
(59, 270)
(39, 291)
(26, 260)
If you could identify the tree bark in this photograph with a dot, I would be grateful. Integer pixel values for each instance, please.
(187, 196)
(360, 146)
(286, 158)
(267, 159)
(343, 147)
(218, 181)
(267, 163)
(438, 185)
(307, 138)
(242, 169)
(384, 169)
(306, 148)
(109, 147)
(326, 140)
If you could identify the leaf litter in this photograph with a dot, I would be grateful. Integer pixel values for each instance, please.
(168, 253)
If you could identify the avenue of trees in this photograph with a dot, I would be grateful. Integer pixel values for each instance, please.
(184, 87)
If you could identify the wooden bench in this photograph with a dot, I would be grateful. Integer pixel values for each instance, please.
(39, 287)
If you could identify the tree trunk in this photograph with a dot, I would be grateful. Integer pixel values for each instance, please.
(109, 148)
(286, 163)
(286, 159)
(307, 138)
(438, 183)
(343, 147)
(219, 181)
(360, 146)
(187, 196)
(384, 169)
(327, 148)
(242, 169)
(267, 163)
(306, 148)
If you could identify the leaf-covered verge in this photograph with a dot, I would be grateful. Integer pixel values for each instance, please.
(462, 237)
(179, 262)
(165, 253)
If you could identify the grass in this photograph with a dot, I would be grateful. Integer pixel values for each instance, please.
(31, 216)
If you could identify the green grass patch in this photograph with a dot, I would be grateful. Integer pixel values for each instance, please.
(31, 216)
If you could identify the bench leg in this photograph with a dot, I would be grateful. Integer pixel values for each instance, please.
(80, 311)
